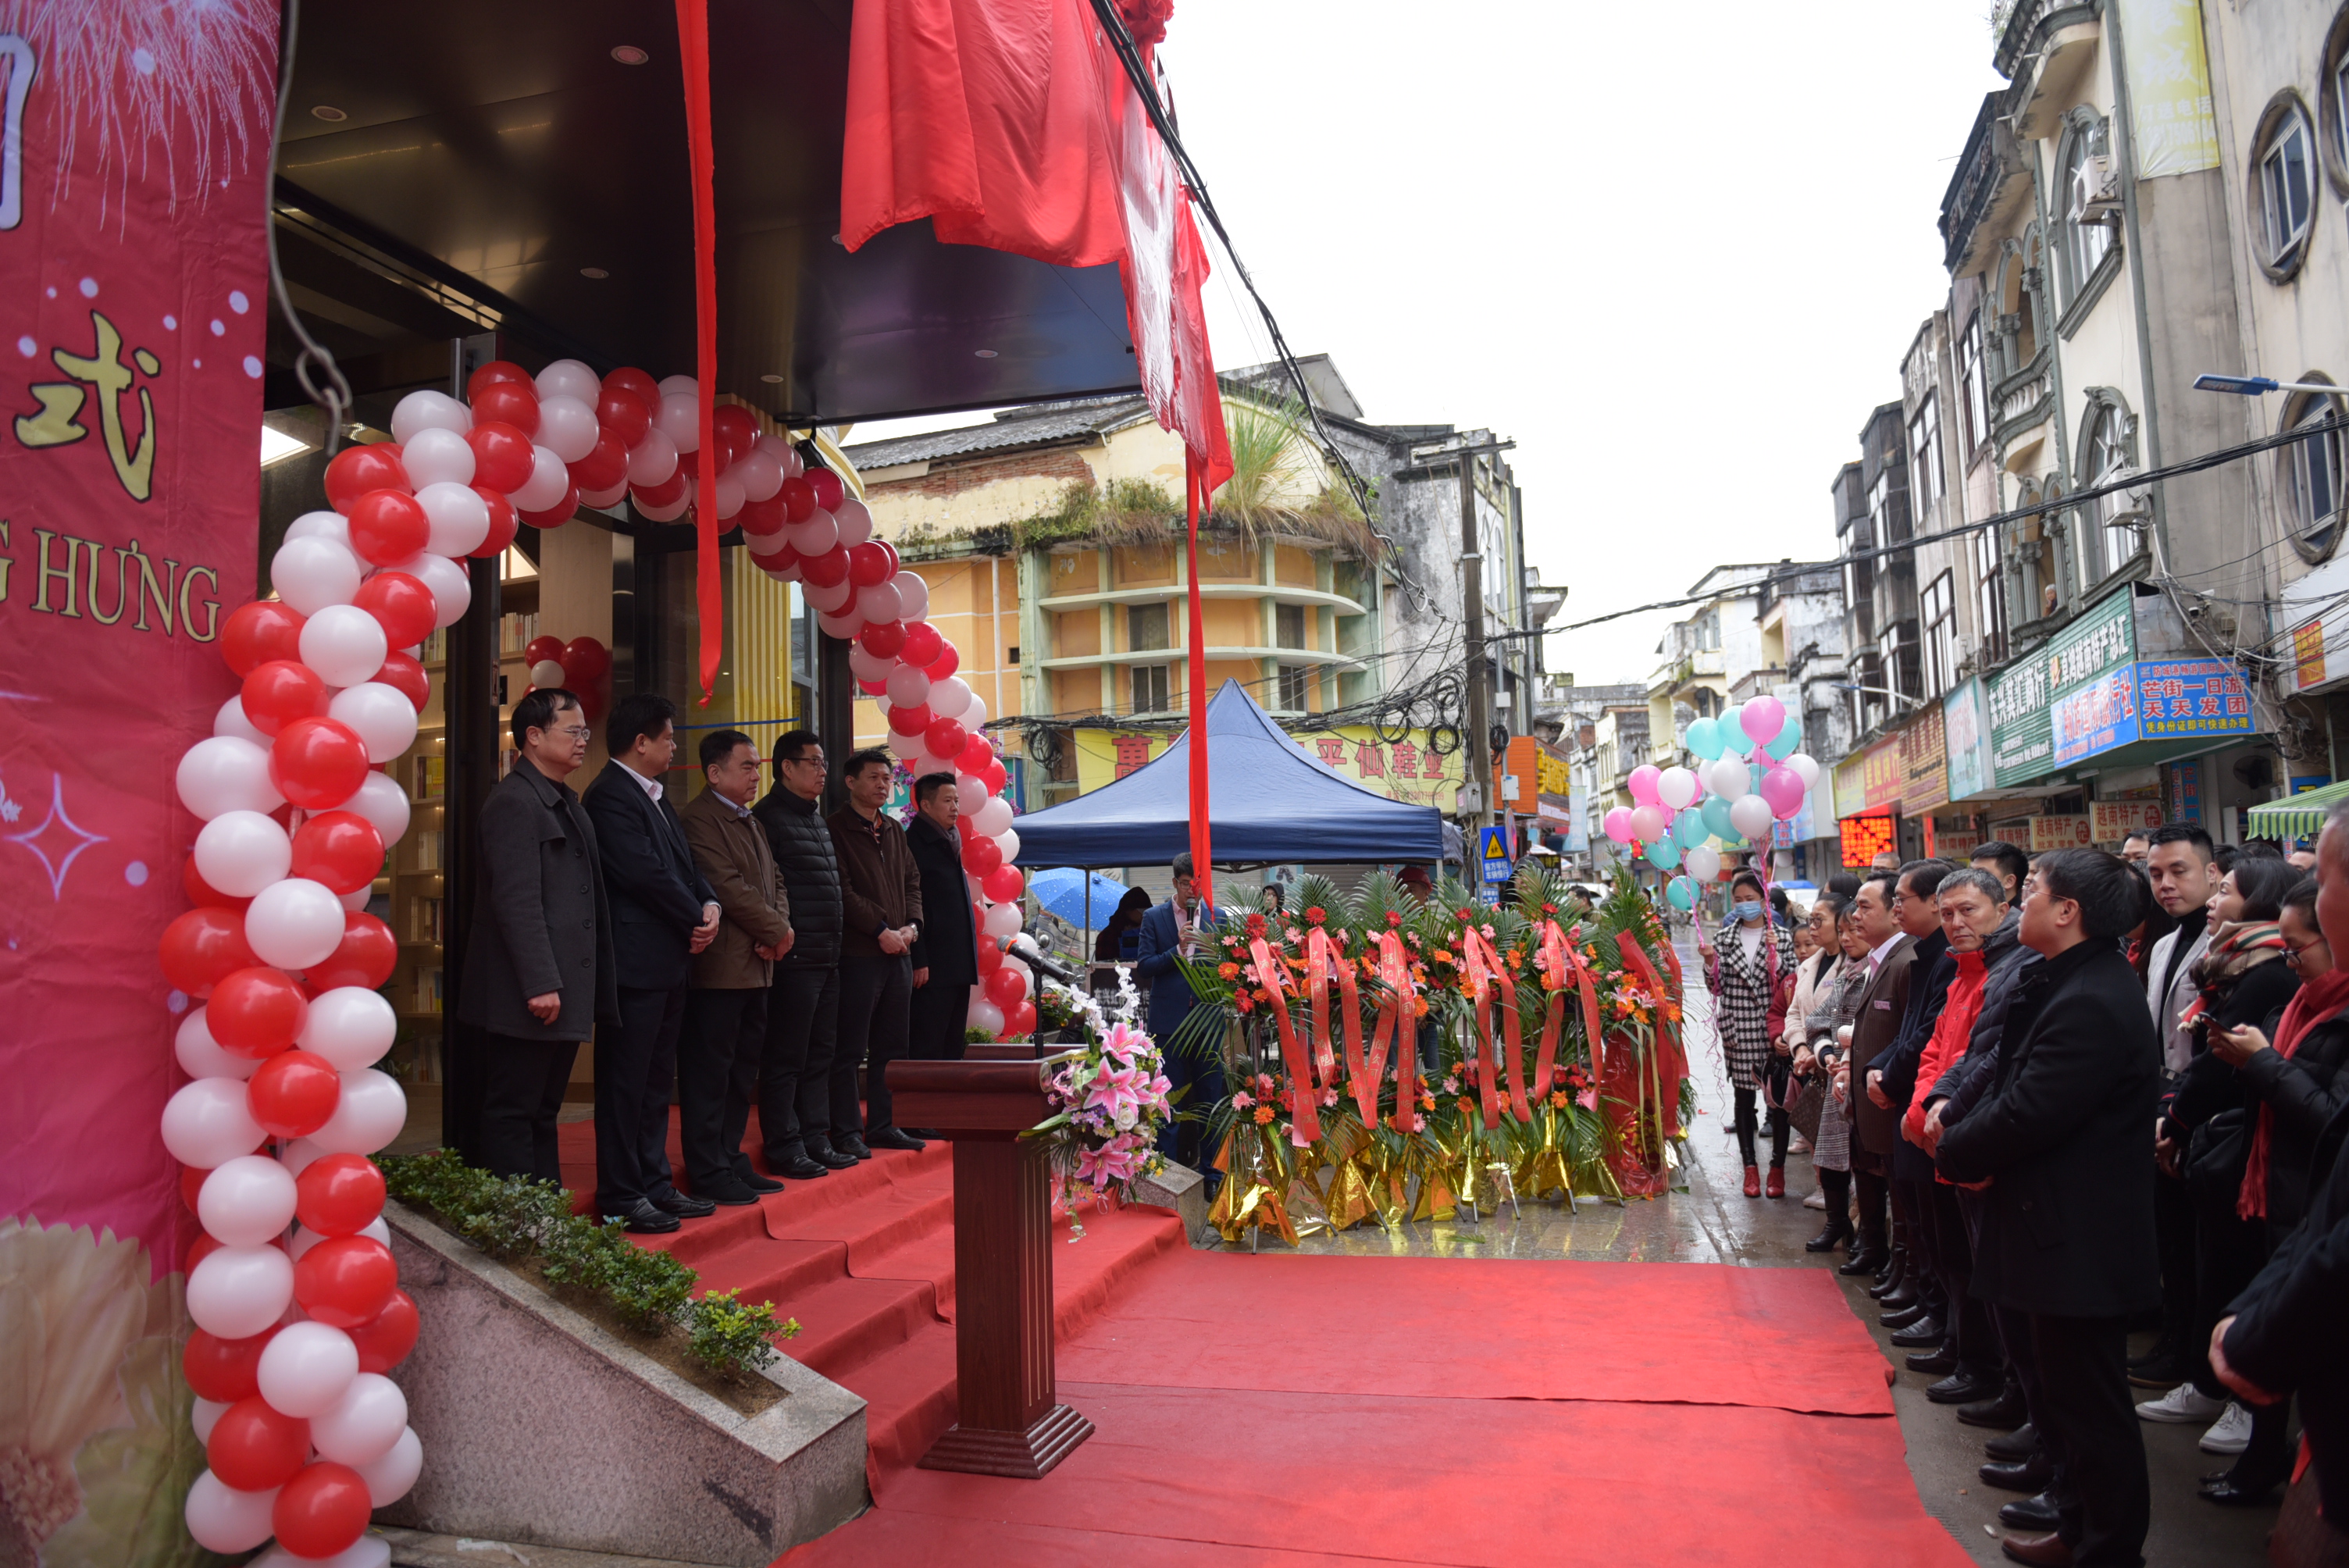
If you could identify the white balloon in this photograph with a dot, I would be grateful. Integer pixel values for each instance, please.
(684, 385)
(759, 472)
(1676, 788)
(766, 543)
(227, 774)
(350, 1025)
(949, 696)
(246, 1202)
(652, 460)
(453, 589)
(305, 1366)
(382, 801)
(298, 1155)
(879, 604)
(236, 1292)
(1703, 862)
(202, 1056)
(1805, 768)
(369, 1114)
(869, 666)
(667, 513)
(1008, 840)
(603, 499)
(205, 1416)
(231, 720)
(846, 624)
(295, 923)
(1004, 920)
(680, 420)
(380, 715)
(816, 536)
(975, 715)
(547, 673)
(729, 496)
(1727, 777)
(781, 450)
(223, 1519)
(829, 600)
(427, 411)
(344, 645)
(548, 482)
(375, 1230)
(361, 1426)
(908, 687)
(852, 520)
(331, 525)
(240, 852)
(389, 1478)
(366, 1552)
(359, 898)
(459, 517)
(566, 426)
(984, 1015)
(311, 573)
(568, 378)
(970, 793)
(438, 456)
(913, 595)
(207, 1122)
(1750, 815)
(991, 819)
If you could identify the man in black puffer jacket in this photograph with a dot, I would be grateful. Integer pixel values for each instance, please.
(804, 1095)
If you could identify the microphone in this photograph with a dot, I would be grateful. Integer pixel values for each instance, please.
(1028, 953)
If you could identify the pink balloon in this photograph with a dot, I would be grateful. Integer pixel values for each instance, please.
(1648, 822)
(1618, 824)
(1783, 788)
(1763, 717)
(1642, 785)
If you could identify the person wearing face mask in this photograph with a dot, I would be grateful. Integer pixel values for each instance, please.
(1751, 973)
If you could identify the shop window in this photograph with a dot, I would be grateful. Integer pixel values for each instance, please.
(1296, 688)
(1145, 628)
(2311, 478)
(2283, 185)
(1152, 685)
(1925, 452)
(1973, 386)
(1939, 611)
(1289, 627)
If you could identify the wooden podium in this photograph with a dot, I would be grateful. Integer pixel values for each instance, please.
(1009, 1423)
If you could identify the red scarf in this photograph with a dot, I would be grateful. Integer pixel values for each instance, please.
(2315, 1000)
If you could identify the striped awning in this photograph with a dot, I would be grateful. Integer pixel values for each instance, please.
(2297, 816)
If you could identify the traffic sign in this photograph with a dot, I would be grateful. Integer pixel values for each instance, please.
(1493, 855)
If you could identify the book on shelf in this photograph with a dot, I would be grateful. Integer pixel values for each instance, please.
(428, 851)
(436, 646)
(431, 778)
(424, 920)
(424, 992)
(516, 631)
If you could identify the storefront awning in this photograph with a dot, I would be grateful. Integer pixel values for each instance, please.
(2299, 816)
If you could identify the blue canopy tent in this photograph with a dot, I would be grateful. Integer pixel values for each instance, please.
(1268, 801)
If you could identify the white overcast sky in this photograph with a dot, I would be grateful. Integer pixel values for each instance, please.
(1676, 254)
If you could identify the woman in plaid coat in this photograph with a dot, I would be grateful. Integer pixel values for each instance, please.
(1743, 970)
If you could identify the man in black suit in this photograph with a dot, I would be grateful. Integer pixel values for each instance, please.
(663, 912)
(2068, 1233)
(539, 970)
(945, 954)
(807, 1100)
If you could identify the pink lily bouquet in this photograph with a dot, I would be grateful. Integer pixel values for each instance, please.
(1110, 1101)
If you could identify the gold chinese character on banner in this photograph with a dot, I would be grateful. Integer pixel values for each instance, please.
(104, 371)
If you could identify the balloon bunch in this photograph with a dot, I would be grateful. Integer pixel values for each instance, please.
(582, 666)
(1749, 775)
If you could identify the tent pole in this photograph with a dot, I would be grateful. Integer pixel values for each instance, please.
(1086, 957)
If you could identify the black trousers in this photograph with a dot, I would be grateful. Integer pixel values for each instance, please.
(1967, 1315)
(717, 1073)
(1197, 1087)
(635, 1064)
(2173, 1229)
(1748, 1126)
(935, 1024)
(1870, 1185)
(522, 1092)
(876, 996)
(798, 1094)
(1912, 1210)
(2091, 1426)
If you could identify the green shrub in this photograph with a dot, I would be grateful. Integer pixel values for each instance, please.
(734, 1340)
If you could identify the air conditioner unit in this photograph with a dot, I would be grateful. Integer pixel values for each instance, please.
(2104, 202)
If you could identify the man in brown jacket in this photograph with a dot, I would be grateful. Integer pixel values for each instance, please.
(881, 899)
(726, 1011)
(1882, 1005)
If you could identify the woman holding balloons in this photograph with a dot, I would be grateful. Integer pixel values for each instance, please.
(1751, 971)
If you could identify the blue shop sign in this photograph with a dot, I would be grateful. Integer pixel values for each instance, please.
(2150, 700)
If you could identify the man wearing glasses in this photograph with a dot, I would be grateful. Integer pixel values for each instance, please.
(539, 968)
(808, 1131)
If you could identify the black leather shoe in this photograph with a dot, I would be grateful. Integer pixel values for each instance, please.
(2033, 1474)
(1959, 1388)
(756, 1183)
(1926, 1330)
(2226, 1493)
(893, 1138)
(2036, 1511)
(1828, 1240)
(731, 1193)
(683, 1207)
(2006, 1412)
(832, 1159)
(1907, 1315)
(927, 1134)
(1941, 1360)
(2164, 1352)
(801, 1168)
(2046, 1551)
(2019, 1444)
(645, 1220)
(1891, 1271)
(853, 1146)
(1901, 1297)
(1862, 1262)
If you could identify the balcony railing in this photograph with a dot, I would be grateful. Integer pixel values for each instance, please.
(2023, 400)
(1987, 172)
(2028, 23)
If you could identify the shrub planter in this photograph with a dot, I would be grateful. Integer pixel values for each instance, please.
(539, 1426)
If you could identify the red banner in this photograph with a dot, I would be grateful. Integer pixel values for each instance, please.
(133, 288)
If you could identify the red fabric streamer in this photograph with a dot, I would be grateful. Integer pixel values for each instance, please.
(1318, 959)
(709, 594)
(1304, 1119)
(1672, 1066)
(1483, 956)
(1396, 1019)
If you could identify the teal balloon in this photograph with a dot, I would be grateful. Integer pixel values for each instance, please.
(1732, 726)
(1754, 771)
(1691, 828)
(1704, 738)
(1663, 854)
(1789, 741)
(1715, 813)
(1681, 891)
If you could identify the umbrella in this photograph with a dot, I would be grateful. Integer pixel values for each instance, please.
(1061, 891)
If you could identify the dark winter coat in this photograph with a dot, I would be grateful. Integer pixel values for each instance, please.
(802, 841)
(948, 946)
(541, 923)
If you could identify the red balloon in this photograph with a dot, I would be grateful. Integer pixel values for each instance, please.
(201, 893)
(997, 776)
(256, 1011)
(504, 523)
(911, 720)
(389, 526)
(882, 639)
(607, 465)
(556, 516)
(402, 672)
(829, 491)
(762, 518)
(508, 403)
(281, 691)
(946, 737)
(872, 688)
(321, 1511)
(191, 1182)
(355, 471)
(798, 497)
(620, 413)
(495, 371)
(628, 378)
(922, 643)
(503, 459)
(338, 1194)
(991, 957)
(223, 1370)
(976, 753)
(828, 570)
(345, 1281)
(895, 561)
(292, 1094)
(736, 428)
(585, 660)
(967, 828)
(1006, 988)
(946, 663)
(202, 947)
(366, 957)
(980, 856)
(1004, 884)
(782, 563)
(538, 650)
(1020, 1021)
(402, 605)
(252, 635)
(341, 849)
(317, 763)
(385, 1339)
(868, 564)
(668, 492)
(253, 1448)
